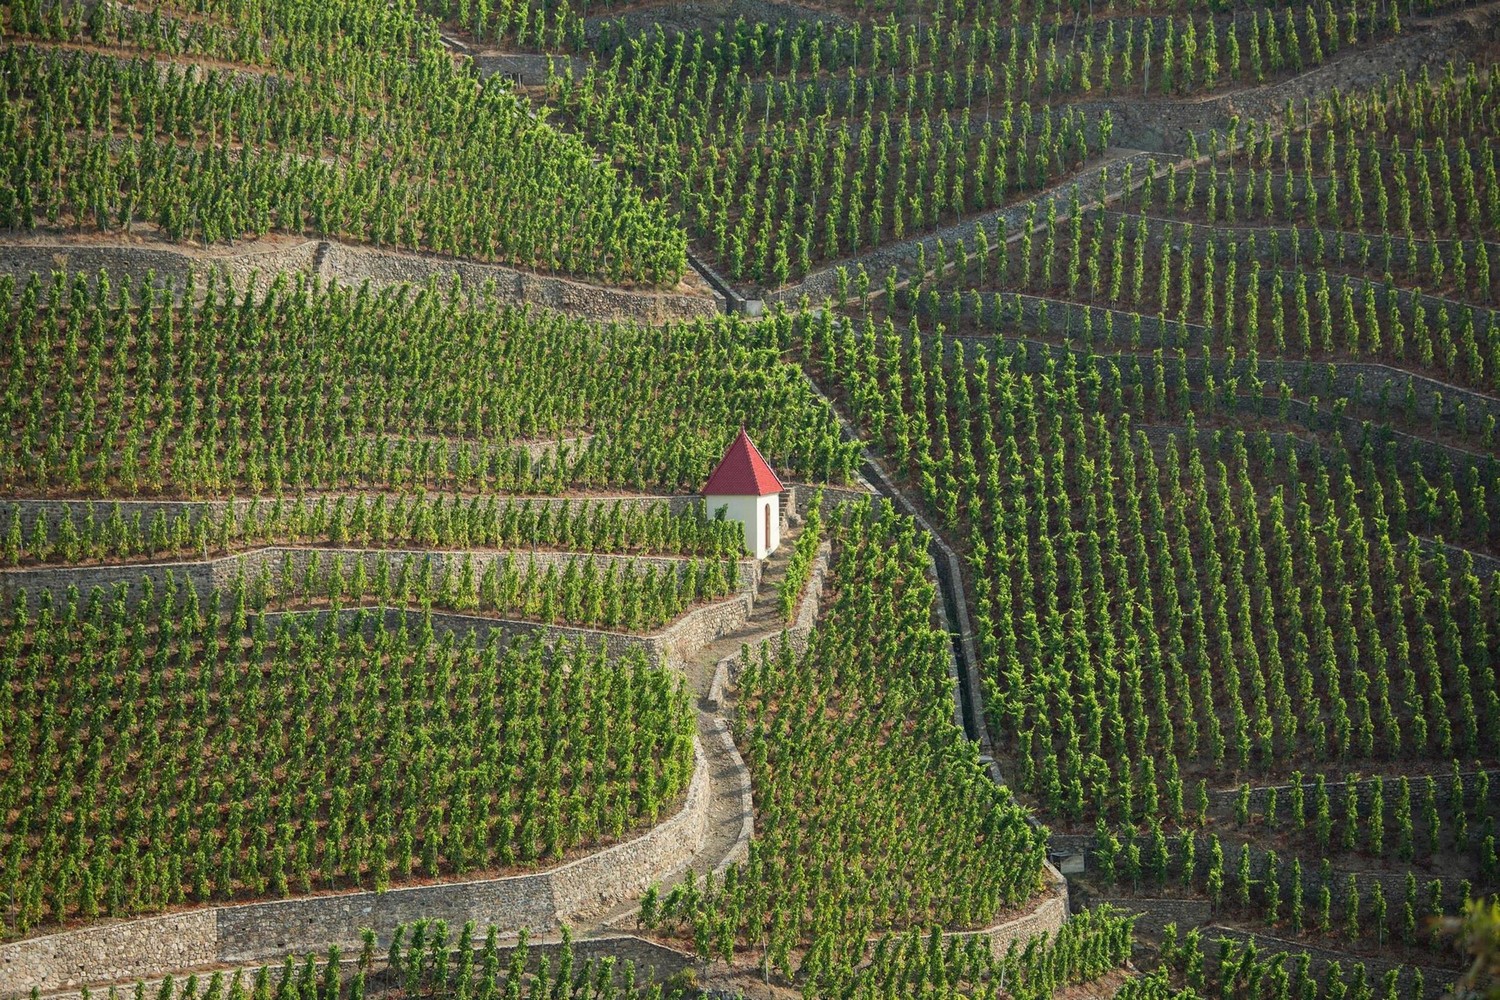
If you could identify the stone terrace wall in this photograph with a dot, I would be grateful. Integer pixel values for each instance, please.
(54, 510)
(821, 285)
(529, 69)
(223, 571)
(652, 961)
(674, 643)
(1435, 981)
(1045, 917)
(1157, 124)
(351, 265)
(1153, 914)
(1112, 330)
(122, 950)
(1222, 800)
(540, 901)
(167, 265)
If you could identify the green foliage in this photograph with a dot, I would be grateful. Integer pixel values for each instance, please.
(164, 693)
(1233, 555)
(877, 771)
(438, 390)
(346, 120)
(799, 567)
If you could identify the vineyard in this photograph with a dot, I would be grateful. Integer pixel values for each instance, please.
(940, 845)
(786, 145)
(115, 710)
(132, 782)
(245, 132)
(113, 389)
(1133, 372)
(1219, 454)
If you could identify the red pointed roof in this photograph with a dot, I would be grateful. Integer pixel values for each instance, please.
(742, 472)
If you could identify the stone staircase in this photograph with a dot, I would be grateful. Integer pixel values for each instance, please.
(731, 809)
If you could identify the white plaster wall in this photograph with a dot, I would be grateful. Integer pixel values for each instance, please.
(750, 512)
(773, 502)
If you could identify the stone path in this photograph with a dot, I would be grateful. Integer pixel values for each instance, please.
(821, 284)
(731, 806)
(730, 810)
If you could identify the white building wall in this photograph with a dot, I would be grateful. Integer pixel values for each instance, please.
(751, 512)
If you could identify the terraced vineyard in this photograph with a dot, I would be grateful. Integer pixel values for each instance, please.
(941, 844)
(1123, 384)
(245, 131)
(1220, 456)
(164, 702)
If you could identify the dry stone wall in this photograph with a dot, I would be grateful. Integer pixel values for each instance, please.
(354, 264)
(121, 950)
(1046, 916)
(1164, 125)
(525, 68)
(653, 961)
(1153, 914)
(146, 510)
(1104, 330)
(224, 571)
(539, 902)
(822, 285)
(1435, 981)
(162, 264)
(169, 267)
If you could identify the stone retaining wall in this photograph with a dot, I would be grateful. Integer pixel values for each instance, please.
(526, 68)
(222, 572)
(166, 266)
(1162, 124)
(652, 961)
(169, 266)
(1434, 456)
(1046, 917)
(688, 632)
(1222, 801)
(1435, 981)
(821, 285)
(353, 264)
(1153, 914)
(54, 510)
(122, 950)
(1392, 883)
(1347, 247)
(539, 901)
(674, 643)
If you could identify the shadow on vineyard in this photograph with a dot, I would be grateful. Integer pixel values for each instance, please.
(367, 628)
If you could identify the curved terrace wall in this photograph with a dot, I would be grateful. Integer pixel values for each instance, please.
(684, 635)
(1046, 916)
(652, 960)
(539, 901)
(222, 571)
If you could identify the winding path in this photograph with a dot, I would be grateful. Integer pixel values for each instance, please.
(729, 812)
